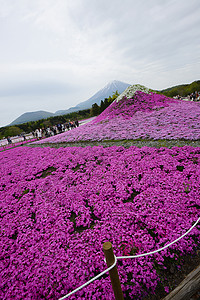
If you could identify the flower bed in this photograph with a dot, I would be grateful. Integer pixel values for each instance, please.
(58, 206)
(147, 116)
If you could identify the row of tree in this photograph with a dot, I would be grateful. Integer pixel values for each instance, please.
(182, 90)
(43, 123)
(51, 121)
(98, 109)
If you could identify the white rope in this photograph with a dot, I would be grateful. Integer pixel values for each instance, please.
(160, 249)
(132, 256)
(91, 280)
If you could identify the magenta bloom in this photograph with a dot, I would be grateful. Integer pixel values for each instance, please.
(58, 206)
(147, 116)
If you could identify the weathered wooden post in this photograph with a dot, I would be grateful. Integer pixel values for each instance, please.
(110, 259)
(187, 288)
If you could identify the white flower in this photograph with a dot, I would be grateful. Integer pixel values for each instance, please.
(130, 91)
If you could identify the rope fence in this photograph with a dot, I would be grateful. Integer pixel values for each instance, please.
(90, 281)
(114, 262)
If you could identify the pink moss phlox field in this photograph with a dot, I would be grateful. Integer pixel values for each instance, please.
(58, 206)
(147, 116)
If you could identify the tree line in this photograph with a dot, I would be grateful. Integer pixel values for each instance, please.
(182, 90)
(51, 121)
(98, 109)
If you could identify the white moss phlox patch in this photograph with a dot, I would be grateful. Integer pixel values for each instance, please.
(130, 91)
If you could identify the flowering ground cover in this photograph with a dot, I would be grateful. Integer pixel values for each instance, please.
(146, 116)
(58, 206)
(131, 90)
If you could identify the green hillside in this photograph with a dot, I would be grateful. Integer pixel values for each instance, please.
(182, 90)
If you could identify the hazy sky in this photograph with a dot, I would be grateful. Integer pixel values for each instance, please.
(57, 53)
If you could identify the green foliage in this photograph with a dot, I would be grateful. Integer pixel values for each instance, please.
(43, 123)
(12, 131)
(182, 90)
(95, 110)
(113, 97)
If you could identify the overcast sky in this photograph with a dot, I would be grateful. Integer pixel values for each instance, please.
(57, 53)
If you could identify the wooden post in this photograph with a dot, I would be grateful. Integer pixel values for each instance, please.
(187, 288)
(110, 259)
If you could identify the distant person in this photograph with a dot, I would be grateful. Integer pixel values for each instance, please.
(59, 127)
(54, 130)
(36, 133)
(77, 123)
(9, 140)
(51, 131)
(71, 124)
(40, 134)
(48, 132)
(196, 95)
(67, 126)
(23, 135)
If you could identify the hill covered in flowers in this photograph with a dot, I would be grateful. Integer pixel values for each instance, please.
(58, 206)
(146, 116)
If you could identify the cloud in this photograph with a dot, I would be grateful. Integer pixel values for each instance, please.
(78, 46)
(34, 88)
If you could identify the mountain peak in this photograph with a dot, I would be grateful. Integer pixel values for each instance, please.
(105, 92)
(117, 83)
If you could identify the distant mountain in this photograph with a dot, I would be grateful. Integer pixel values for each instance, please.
(66, 111)
(32, 116)
(182, 90)
(105, 92)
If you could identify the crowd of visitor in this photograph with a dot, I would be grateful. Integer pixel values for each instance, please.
(55, 129)
(195, 96)
(39, 133)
